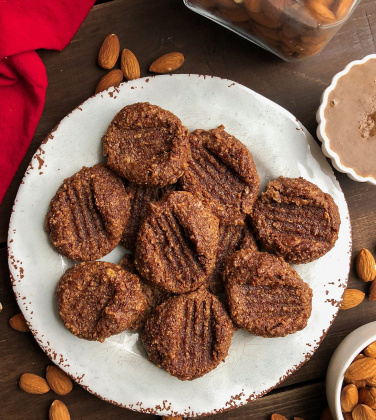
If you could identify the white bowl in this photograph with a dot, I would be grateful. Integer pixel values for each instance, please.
(321, 134)
(344, 354)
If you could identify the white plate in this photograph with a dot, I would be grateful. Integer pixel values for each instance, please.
(118, 370)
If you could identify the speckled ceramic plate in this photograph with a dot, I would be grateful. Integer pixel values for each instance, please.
(118, 370)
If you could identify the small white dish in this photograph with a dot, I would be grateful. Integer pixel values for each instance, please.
(344, 354)
(322, 125)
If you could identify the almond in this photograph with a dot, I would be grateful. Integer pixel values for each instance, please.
(361, 369)
(341, 8)
(58, 411)
(347, 416)
(320, 11)
(167, 63)
(18, 323)
(326, 414)
(351, 298)
(113, 78)
(367, 396)
(365, 265)
(33, 384)
(278, 417)
(372, 291)
(58, 381)
(363, 412)
(370, 350)
(129, 65)
(109, 52)
(371, 381)
(349, 398)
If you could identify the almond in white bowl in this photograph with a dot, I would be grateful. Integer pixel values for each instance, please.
(347, 120)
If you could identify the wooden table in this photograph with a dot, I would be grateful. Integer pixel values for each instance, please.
(150, 29)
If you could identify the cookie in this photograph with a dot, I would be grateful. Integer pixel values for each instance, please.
(146, 145)
(98, 299)
(153, 295)
(265, 295)
(87, 215)
(188, 335)
(140, 196)
(294, 219)
(177, 243)
(232, 237)
(221, 172)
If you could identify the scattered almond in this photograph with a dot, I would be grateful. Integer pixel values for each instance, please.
(298, 418)
(366, 265)
(113, 78)
(363, 412)
(33, 384)
(372, 291)
(18, 323)
(129, 65)
(1, 307)
(58, 380)
(326, 414)
(58, 411)
(278, 417)
(361, 369)
(349, 398)
(109, 52)
(167, 63)
(352, 298)
(367, 396)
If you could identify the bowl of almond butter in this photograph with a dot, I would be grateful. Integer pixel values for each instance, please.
(351, 376)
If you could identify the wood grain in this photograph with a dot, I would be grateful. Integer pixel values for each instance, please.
(150, 29)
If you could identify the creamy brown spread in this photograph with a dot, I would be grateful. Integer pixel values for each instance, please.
(351, 119)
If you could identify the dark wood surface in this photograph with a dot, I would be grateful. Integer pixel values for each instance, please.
(150, 29)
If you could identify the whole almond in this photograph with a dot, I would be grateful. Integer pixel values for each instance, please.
(367, 396)
(363, 412)
(113, 78)
(349, 398)
(167, 63)
(109, 52)
(278, 417)
(351, 298)
(365, 265)
(58, 381)
(370, 350)
(347, 416)
(372, 291)
(326, 414)
(361, 369)
(320, 11)
(18, 323)
(58, 411)
(371, 381)
(341, 8)
(129, 65)
(33, 384)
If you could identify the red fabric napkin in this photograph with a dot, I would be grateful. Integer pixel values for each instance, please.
(26, 26)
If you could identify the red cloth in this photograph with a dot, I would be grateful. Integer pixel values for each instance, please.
(26, 26)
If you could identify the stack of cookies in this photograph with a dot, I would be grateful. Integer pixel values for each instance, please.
(186, 206)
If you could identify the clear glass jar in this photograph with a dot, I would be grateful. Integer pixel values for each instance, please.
(291, 29)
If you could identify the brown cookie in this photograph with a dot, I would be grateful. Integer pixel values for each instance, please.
(221, 172)
(154, 296)
(188, 335)
(231, 238)
(294, 219)
(140, 196)
(146, 145)
(98, 299)
(87, 215)
(177, 243)
(265, 295)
